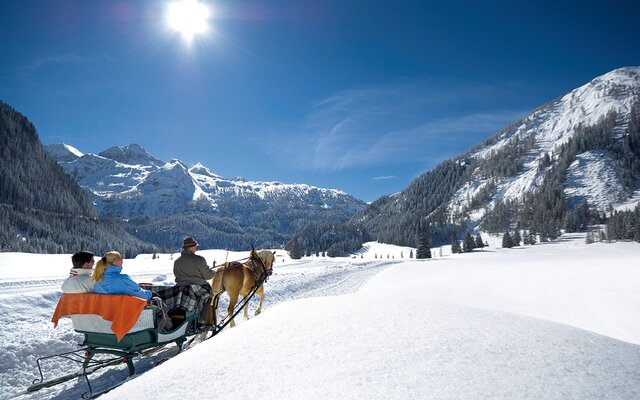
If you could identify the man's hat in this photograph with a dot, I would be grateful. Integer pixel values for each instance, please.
(188, 242)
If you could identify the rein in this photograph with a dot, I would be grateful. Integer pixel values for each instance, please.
(224, 264)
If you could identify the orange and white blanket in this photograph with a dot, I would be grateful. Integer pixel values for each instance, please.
(122, 311)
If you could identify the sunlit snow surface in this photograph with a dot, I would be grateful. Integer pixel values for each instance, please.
(551, 321)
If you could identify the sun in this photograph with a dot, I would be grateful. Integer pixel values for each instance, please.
(189, 17)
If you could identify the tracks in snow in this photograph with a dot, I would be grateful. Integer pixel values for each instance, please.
(325, 280)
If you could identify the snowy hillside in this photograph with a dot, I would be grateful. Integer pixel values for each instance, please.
(581, 149)
(552, 321)
(128, 181)
(547, 129)
(593, 177)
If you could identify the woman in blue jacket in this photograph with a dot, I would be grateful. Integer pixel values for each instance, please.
(109, 279)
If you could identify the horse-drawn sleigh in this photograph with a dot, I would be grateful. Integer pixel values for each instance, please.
(117, 329)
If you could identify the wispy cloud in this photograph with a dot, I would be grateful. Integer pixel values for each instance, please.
(40, 63)
(383, 178)
(377, 126)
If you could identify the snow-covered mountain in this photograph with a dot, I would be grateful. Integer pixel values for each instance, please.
(161, 202)
(593, 176)
(583, 146)
(127, 181)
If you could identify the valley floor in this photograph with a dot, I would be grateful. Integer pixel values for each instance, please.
(553, 321)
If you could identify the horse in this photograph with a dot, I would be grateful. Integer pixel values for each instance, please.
(238, 279)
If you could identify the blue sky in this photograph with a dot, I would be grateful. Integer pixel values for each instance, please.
(362, 96)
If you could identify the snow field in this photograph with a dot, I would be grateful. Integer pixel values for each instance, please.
(551, 321)
(457, 328)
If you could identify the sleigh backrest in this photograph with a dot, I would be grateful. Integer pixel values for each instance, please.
(96, 324)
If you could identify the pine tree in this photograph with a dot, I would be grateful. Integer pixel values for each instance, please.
(423, 250)
(411, 254)
(469, 243)
(455, 245)
(590, 238)
(507, 242)
(516, 239)
(479, 242)
(295, 250)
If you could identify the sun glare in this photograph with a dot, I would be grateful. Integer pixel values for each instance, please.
(189, 17)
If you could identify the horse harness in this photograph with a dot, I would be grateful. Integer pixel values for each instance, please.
(264, 273)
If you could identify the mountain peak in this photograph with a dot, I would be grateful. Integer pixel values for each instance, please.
(624, 75)
(131, 154)
(176, 163)
(202, 170)
(63, 152)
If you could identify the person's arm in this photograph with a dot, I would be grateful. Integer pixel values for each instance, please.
(205, 271)
(133, 289)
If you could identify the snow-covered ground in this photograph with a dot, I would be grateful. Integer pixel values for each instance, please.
(551, 321)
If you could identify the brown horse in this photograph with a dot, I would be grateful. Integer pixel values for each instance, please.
(238, 279)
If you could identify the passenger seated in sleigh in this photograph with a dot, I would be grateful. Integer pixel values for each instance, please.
(109, 279)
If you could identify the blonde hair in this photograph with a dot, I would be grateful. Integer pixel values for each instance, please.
(102, 264)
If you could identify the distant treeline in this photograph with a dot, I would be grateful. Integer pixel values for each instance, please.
(624, 225)
(32, 231)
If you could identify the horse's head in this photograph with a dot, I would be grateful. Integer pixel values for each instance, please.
(263, 261)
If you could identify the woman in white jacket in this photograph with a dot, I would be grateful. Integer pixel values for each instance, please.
(79, 280)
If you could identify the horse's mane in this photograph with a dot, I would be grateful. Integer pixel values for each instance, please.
(267, 258)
